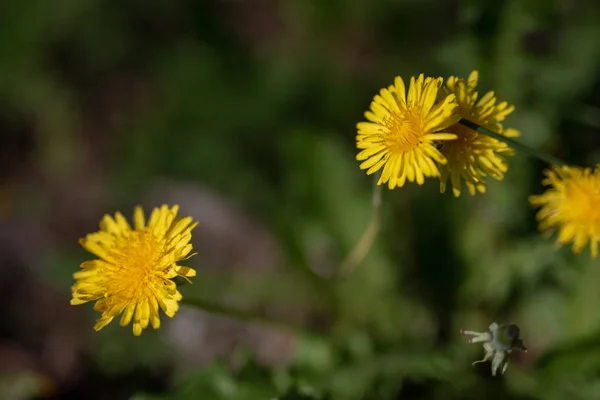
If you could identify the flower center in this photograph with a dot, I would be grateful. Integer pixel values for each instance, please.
(136, 259)
(584, 204)
(405, 130)
(460, 147)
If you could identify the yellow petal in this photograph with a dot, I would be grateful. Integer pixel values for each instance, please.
(122, 223)
(102, 322)
(400, 89)
(138, 218)
(185, 271)
(154, 314)
(127, 314)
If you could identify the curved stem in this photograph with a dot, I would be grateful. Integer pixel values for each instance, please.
(513, 143)
(244, 315)
(361, 249)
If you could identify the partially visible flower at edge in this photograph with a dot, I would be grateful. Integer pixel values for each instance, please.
(403, 130)
(474, 155)
(571, 205)
(135, 266)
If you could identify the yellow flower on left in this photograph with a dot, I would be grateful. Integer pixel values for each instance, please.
(404, 130)
(133, 272)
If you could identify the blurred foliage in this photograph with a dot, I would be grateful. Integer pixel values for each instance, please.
(258, 100)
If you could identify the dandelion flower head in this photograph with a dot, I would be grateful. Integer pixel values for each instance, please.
(572, 206)
(132, 274)
(402, 131)
(473, 156)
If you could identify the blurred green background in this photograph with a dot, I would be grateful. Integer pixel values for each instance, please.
(244, 112)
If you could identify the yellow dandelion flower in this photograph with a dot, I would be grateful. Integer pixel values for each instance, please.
(135, 266)
(571, 205)
(403, 130)
(473, 156)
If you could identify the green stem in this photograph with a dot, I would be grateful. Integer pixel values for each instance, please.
(361, 249)
(302, 266)
(513, 143)
(244, 315)
(298, 263)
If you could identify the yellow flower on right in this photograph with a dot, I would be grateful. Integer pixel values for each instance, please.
(473, 156)
(571, 205)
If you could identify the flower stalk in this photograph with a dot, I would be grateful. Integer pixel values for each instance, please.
(244, 315)
(364, 244)
(513, 143)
